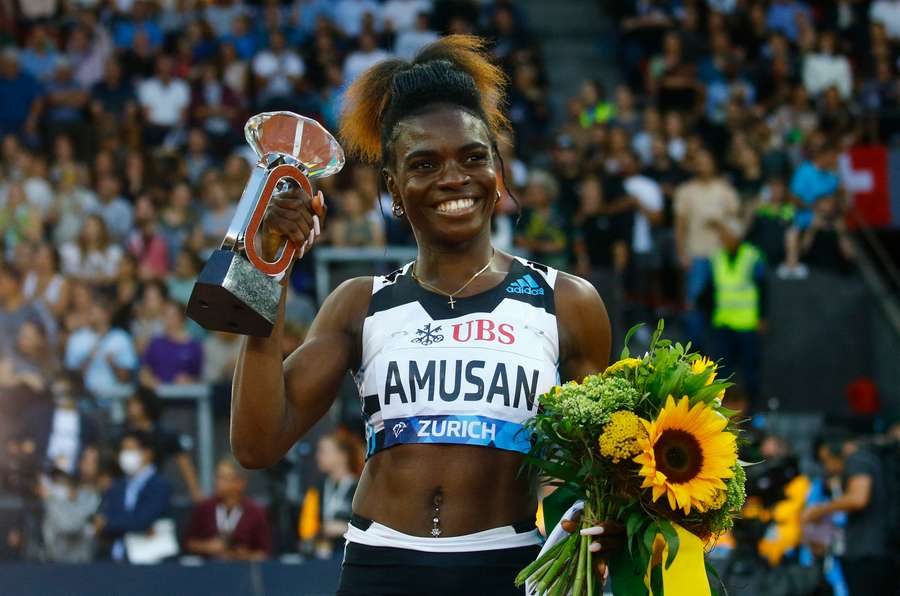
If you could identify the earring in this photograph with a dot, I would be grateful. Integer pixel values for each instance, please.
(397, 210)
(497, 200)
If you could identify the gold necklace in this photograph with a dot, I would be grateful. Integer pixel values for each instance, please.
(451, 295)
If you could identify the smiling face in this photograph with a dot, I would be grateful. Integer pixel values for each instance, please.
(443, 173)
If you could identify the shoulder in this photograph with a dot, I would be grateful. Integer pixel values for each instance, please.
(577, 295)
(347, 304)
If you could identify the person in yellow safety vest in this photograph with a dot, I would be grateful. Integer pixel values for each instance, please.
(735, 294)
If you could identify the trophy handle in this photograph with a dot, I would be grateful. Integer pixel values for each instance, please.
(274, 176)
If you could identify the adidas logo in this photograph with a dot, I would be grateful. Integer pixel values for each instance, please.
(525, 285)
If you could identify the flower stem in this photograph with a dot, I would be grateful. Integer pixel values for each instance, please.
(582, 564)
(539, 564)
(571, 545)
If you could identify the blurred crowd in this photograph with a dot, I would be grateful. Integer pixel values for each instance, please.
(715, 164)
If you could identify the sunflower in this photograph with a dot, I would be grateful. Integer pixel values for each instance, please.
(687, 455)
(700, 366)
(622, 364)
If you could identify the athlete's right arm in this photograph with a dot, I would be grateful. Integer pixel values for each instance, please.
(274, 401)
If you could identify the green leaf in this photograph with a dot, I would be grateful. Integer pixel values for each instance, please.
(625, 352)
(672, 541)
(656, 581)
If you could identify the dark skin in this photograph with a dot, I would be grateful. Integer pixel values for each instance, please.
(442, 154)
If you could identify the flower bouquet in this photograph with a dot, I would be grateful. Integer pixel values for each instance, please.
(647, 444)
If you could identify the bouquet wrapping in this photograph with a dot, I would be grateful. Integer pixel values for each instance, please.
(646, 443)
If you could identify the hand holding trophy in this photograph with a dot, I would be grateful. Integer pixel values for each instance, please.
(239, 288)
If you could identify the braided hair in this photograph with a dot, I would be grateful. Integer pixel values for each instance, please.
(453, 70)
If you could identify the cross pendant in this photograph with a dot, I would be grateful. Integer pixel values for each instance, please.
(451, 302)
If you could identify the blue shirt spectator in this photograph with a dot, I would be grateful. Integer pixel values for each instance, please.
(125, 30)
(782, 16)
(812, 181)
(137, 501)
(18, 92)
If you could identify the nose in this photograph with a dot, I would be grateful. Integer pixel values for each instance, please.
(453, 176)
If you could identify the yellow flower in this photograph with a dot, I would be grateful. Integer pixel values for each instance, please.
(700, 365)
(622, 364)
(620, 436)
(686, 455)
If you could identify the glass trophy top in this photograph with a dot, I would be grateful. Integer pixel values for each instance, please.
(304, 139)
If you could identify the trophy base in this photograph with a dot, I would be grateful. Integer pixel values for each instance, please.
(231, 295)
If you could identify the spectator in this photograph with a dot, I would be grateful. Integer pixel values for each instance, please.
(229, 525)
(339, 458)
(825, 245)
(887, 13)
(645, 199)
(104, 355)
(784, 16)
(149, 311)
(143, 413)
(349, 16)
(411, 40)
(543, 234)
(92, 257)
(216, 215)
(147, 243)
(701, 204)
(278, 71)
(20, 97)
(769, 219)
(827, 69)
(112, 98)
(368, 54)
(178, 218)
(89, 47)
(69, 507)
(356, 226)
(813, 180)
(15, 310)
(165, 101)
(44, 283)
(733, 282)
(39, 58)
(241, 37)
(864, 499)
(136, 502)
(174, 356)
(25, 368)
(180, 283)
(66, 103)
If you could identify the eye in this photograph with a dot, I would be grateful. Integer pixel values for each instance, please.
(477, 157)
(424, 164)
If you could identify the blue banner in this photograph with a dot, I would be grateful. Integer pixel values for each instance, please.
(460, 430)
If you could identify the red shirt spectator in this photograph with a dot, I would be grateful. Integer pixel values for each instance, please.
(229, 525)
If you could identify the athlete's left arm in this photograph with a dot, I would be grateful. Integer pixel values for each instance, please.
(584, 332)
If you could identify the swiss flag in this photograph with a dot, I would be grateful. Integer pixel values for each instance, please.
(865, 174)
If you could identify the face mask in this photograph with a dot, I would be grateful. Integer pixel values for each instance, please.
(131, 461)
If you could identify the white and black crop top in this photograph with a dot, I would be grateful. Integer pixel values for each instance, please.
(469, 374)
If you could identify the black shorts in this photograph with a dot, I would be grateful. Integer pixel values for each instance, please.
(386, 571)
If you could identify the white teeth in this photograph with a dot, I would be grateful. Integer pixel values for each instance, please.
(455, 205)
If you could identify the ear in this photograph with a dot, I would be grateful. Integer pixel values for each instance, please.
(391, 184)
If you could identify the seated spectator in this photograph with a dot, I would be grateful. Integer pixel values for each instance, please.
(339, 458)
(349, 15)
(147, 320)
(16, 310)
(411, 40)
(40, 56)
(826, 245)
(66, 102)
(180, 283)
(543, 233)
(93, 257)
(134, 503)
(355, 226)
(769, 218)
(217, 214)
(104, 355)
(44, 283)
(146, 242)
(215, 106)
(143, 413)
(69, 507)
(365, 56)
(30, 363)
(229, 525)
(826, 69)
(178, 218)
(278, 71)
(165, 101)
(20, 97)
(174, 356)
